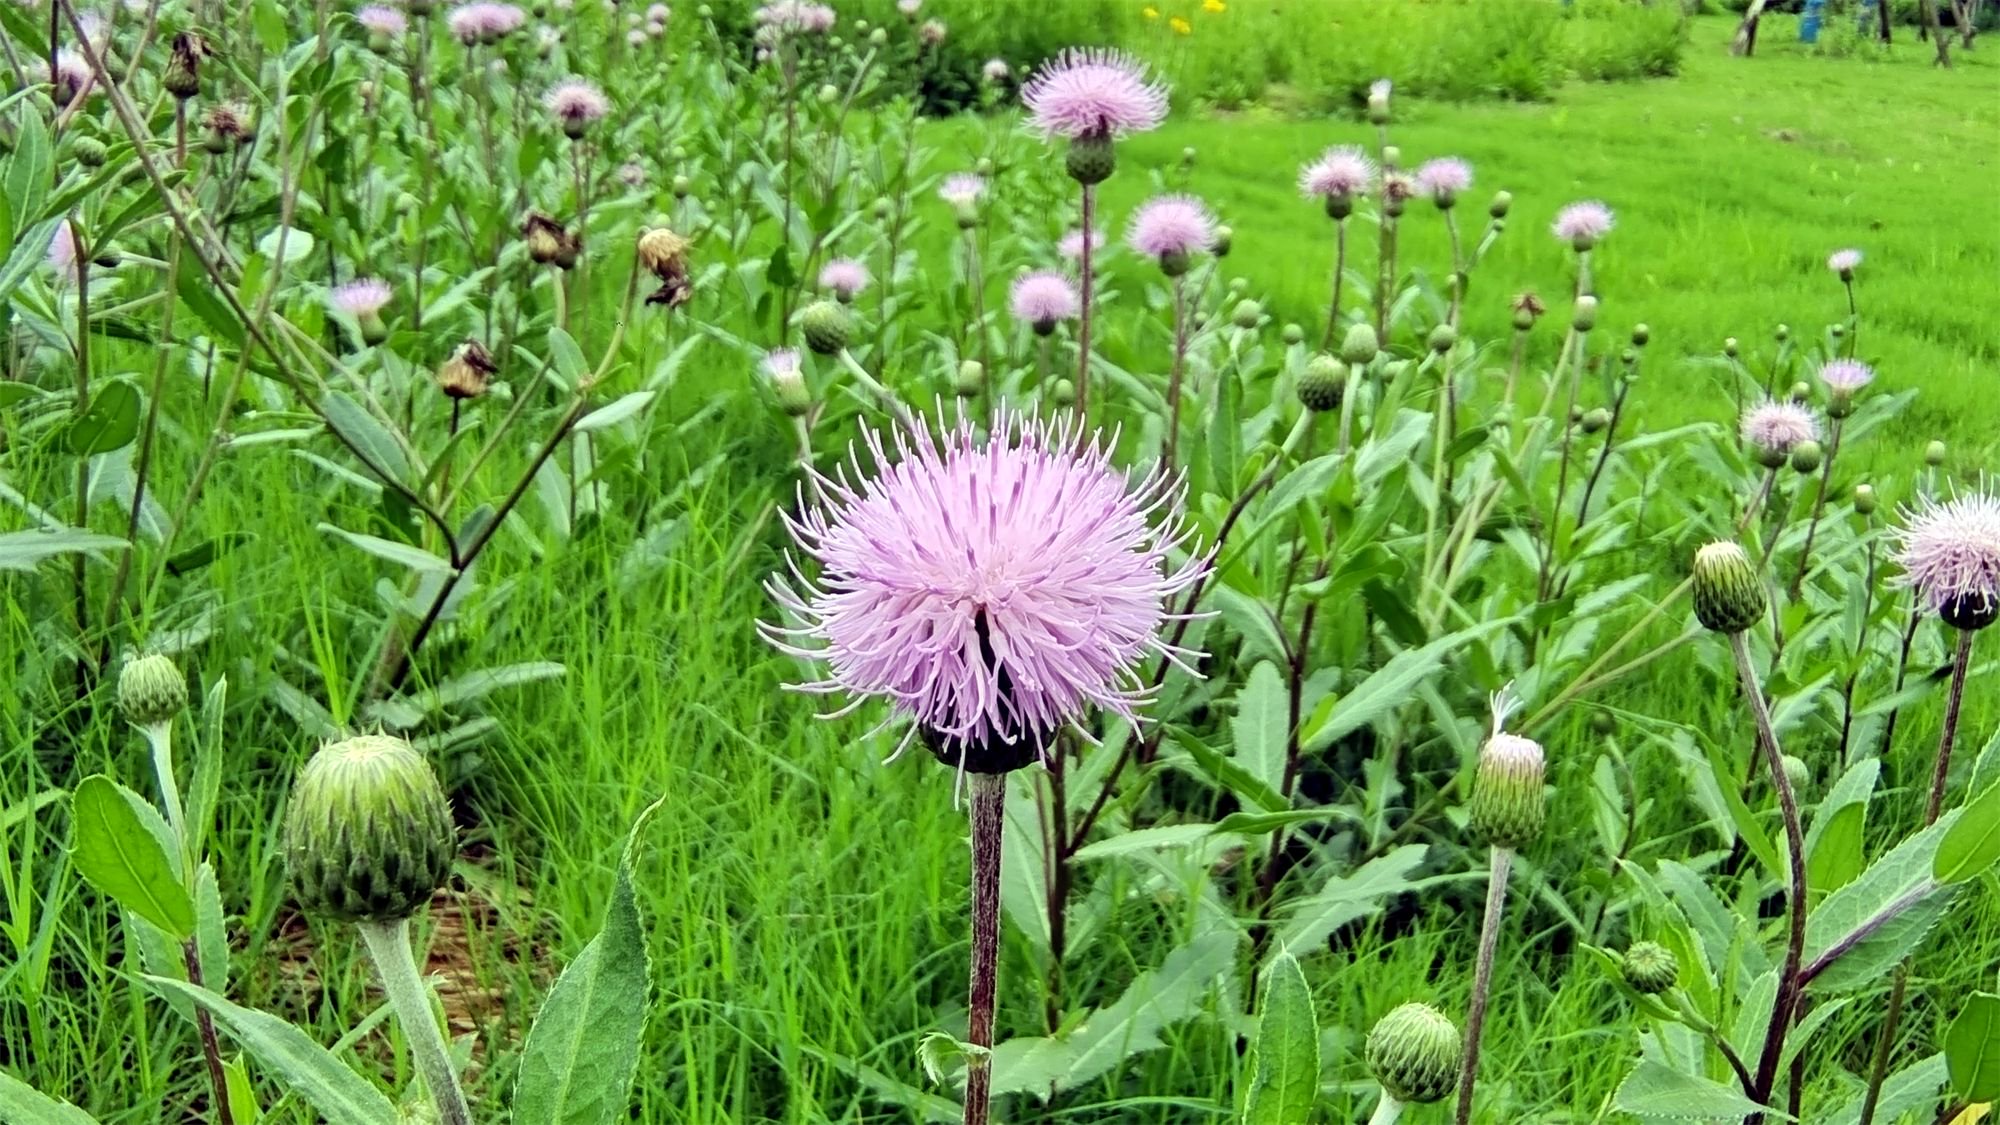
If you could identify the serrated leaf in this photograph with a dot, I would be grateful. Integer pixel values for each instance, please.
(1261, 727)
(1911, 1089)
(1391, 685)
(120, 855)
(1155, 999)
(1882, 915)
(1972, 846)
(1654, 1089)
(22, 1104)
(1226, 773)
(1285, 1084)
(310, 1070)
(297, 245)
(1972, 1049)
(1342, 899)
(1146, 839)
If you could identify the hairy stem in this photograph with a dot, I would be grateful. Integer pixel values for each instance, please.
(1482, 980)
(1175, 375)
(389, 946)
(1387, 1111)
(1086, 283)
(1788, 804)
(989, 810)
(211, 1049)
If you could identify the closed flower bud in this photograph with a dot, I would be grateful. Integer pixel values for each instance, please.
(1359, 346)
(368, 833)
(468, 371)
(1934, 454)
(971, 379)
(1391, 156)
(1090, 160)
(1729, 347)
(682, 185)
(1528, 308)
(1503, 201)
(1583, 316)
(1649, 967)
(1223, 237)
(1063, 393)
(1595, 420)
(1796, 771)
(151, 690)
(1508, 805)
(1783, 333)
(1323, 383)
(1414, 1052)
(882, 209)
(828, 93)
(1801, 392)
(1187, 156)
(1729, 595)
(826, 326)
(89, 152)
(1292, 335)
(1806, 456)
(1836, 330)
(1246, 314)
(878, 37)
(1864, 499)
(1442, 338)
(1641, 335)
(983, 167)
(1602, 722)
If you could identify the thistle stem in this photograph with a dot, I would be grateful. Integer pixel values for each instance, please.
(1819, 510)
(1788, 804)
(160, 736)
(389, 947)
(989, 810)
(1482, 980)
(1333, 303)
(1961, 662)
(1387, 1111)
(211, 1050)
(1085, 282)
(1174, 378)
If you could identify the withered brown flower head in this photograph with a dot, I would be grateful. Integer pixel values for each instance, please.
(468, 371)
(548, 243)
(664, 253)
(184, 58)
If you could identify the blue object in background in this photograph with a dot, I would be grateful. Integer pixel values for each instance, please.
(1809, 23)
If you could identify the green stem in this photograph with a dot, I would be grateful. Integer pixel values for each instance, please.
(989, 808)
(1387, 1111)
(160, 736)
(1482, 980)
(389, 946)
(1788, 804)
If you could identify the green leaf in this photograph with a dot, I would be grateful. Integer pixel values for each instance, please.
(576, 1066)
(1835, 839)
(198, 294)
(615, 411)
(1342, 899)
(1226, 773)
(1910, 1090)
(27, 175)
(416, 558)
(1972, 846)
(111, 422)
(298, 245)
(31, 249)
(313, 1072)
(117, 853)
(1146, 839)
(24, 550)
(367, 436)
(1654, 1089)
(22, 1104)
(1391, 685)
(1261, 727)
(1972, 1049)
(1286, 1082)
(566, 358)
(1881, 916)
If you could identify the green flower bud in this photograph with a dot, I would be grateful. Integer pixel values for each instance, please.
(983, 166)
(1836, 330)
(1796, 771)
(1729, 595)
(1602, 722)
(1864, 499)
(1414, 1053)
(1187, 157)
(1508, 805)
(1323, 383)
(1392, 156)
(1503, 201)
(1224, 236)
(882, 209)
(828, 93)
(1934, 454)
(151, 690)
(1091, 160)
(1595, 420)
(368, 834)
(1293, 335)
(1339, 206)
(682, 185)
(1360, 345)
(971, 378)
(1246, 314)
(1649, 967)
(1783, 333)
(1063, 393)
(826, 326)
(878, 37)
(1576, 415)
(1174, 263)
(1641, 335)
(1442, 338)
(1729, 346)
(1806, 456)
(89, 152)
(1583, 317)
(1801, 392)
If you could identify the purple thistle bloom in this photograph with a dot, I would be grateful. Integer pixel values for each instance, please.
(1343, 171)
(962, 189)
(1444, 178)
(1845, 376)
(364, 296)
(484, 21)
(576, 103)
(1844, 262)
(1950, 555)
(992, 589)
(1582, 224)
(1170, 225)
(62, 251)
(843, 277)
(1044, 297)
(1093, 93)
(658, 13)
(910, 8)
(383, 20)
(1775, 427)
(781, 366)
(72, 78)
(796, 15)
(1071, 246)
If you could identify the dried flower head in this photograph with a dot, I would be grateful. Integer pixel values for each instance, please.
(1950, 554)
(991, 588)
(468, 371)
(576, 104)
(228, 123)
(1092, 94)
(996, 70)
(549, 243)
(185, 54)
(1171, 227)
(931, 33)
(1044, 298)
(664, 253)
(1582, 224)
(1341, 172)
(844, 278)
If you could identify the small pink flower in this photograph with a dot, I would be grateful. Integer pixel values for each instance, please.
(62, 250)
(1093, 93)
(364, 296)
(1043, 298)
(382, 20)
(1775, 427)
(796, 16)
(1950, 555)
(910, 8)
(1171, 226)
(931, 33)
(996, 70)
(962, 189)
(72, 78)
(1582, 224)
(657, 13)
(1844, 262)
(636, 37)
(484, 21)
(781, 366)
(576, 104)
(1341, 172)
(1071, 246)
(1845, 376)
(1444, 178)
(843, 277)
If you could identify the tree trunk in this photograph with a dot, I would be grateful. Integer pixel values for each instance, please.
(1882, 18)
(1927, 9)
(1745, 41)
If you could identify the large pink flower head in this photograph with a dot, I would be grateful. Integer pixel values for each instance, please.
(1043, 298)
(1775, 427)
(1093, 94)
(484, 21)
(992, 589)
(1341, 172)
(1443, 179)
(1582, 224)
(380, 19)
(1845, 376)
(575, 104)
(1169, 228)
(1950, 555)
(844, 278)
(364, 296)
(1844, 263)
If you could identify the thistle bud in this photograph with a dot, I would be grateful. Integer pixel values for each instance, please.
(1528, 308)
(1414, 1052)
(826, 326)
(1091, 160)
(1508, 805)
(1583, 316)
(1224, 236)
(1187, 156)
(1729, 596)
(468, 371)
(1442, 338)
(151, 690)
(1063, 393)
(1292, 335)
(182, 77)
(1503, 201)
(1783, 333)
(1360, 345)
(1378, 106)
(1595, 420)
(1641, 335)
(368, 833)
(1323, 383)
(882, 209)
(1934, 454)
(828, 93)
(971, 379)
(1837, 331)
(1796, 771)
(1801, 392)
(1649, 967)
(1729, 346)
(983, 167)
(878, 37)
(682, 185)
(1602, 722)
(89, 152)
(1246, 314)
(1391, 156)
(1864, 499)
(788, 382)
(1806, 456)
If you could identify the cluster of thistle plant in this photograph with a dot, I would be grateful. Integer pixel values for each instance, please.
(1236, 630)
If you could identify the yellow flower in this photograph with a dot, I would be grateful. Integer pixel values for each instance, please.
(1214, 6)
(1180, 26)
(1151, 13)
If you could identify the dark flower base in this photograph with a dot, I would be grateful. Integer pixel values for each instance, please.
(985, 757)
(1971, 613)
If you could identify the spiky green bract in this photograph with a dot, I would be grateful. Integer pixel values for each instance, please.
(1090, 160)
(1649, 967)
(1323, 383)
(1360, 345)
(1729, 597)
(1414, 1053)
(1508, 805)
(151, 690)
(368, 835)
(826, 326)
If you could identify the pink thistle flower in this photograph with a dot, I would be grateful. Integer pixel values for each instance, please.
(62, 251)
(1845, 376)
(72, 78)
(1443, 179)
(1341, 172)
(931, 33)
(1398, 187)
(1582, 224)
(1844, 263)
(1950, 555)
(1043, 298)
(962, 189)
(843, 277)
(657, 13)
(1171, 227)
(484, 21)
(910, 8)
(576, 104)
(1093, 93)
(996, 70)
(1775, 427)
(636, 37)
(382, 20)
(796, 16)
(992, 589)
(362, 297)
(1071, 246)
